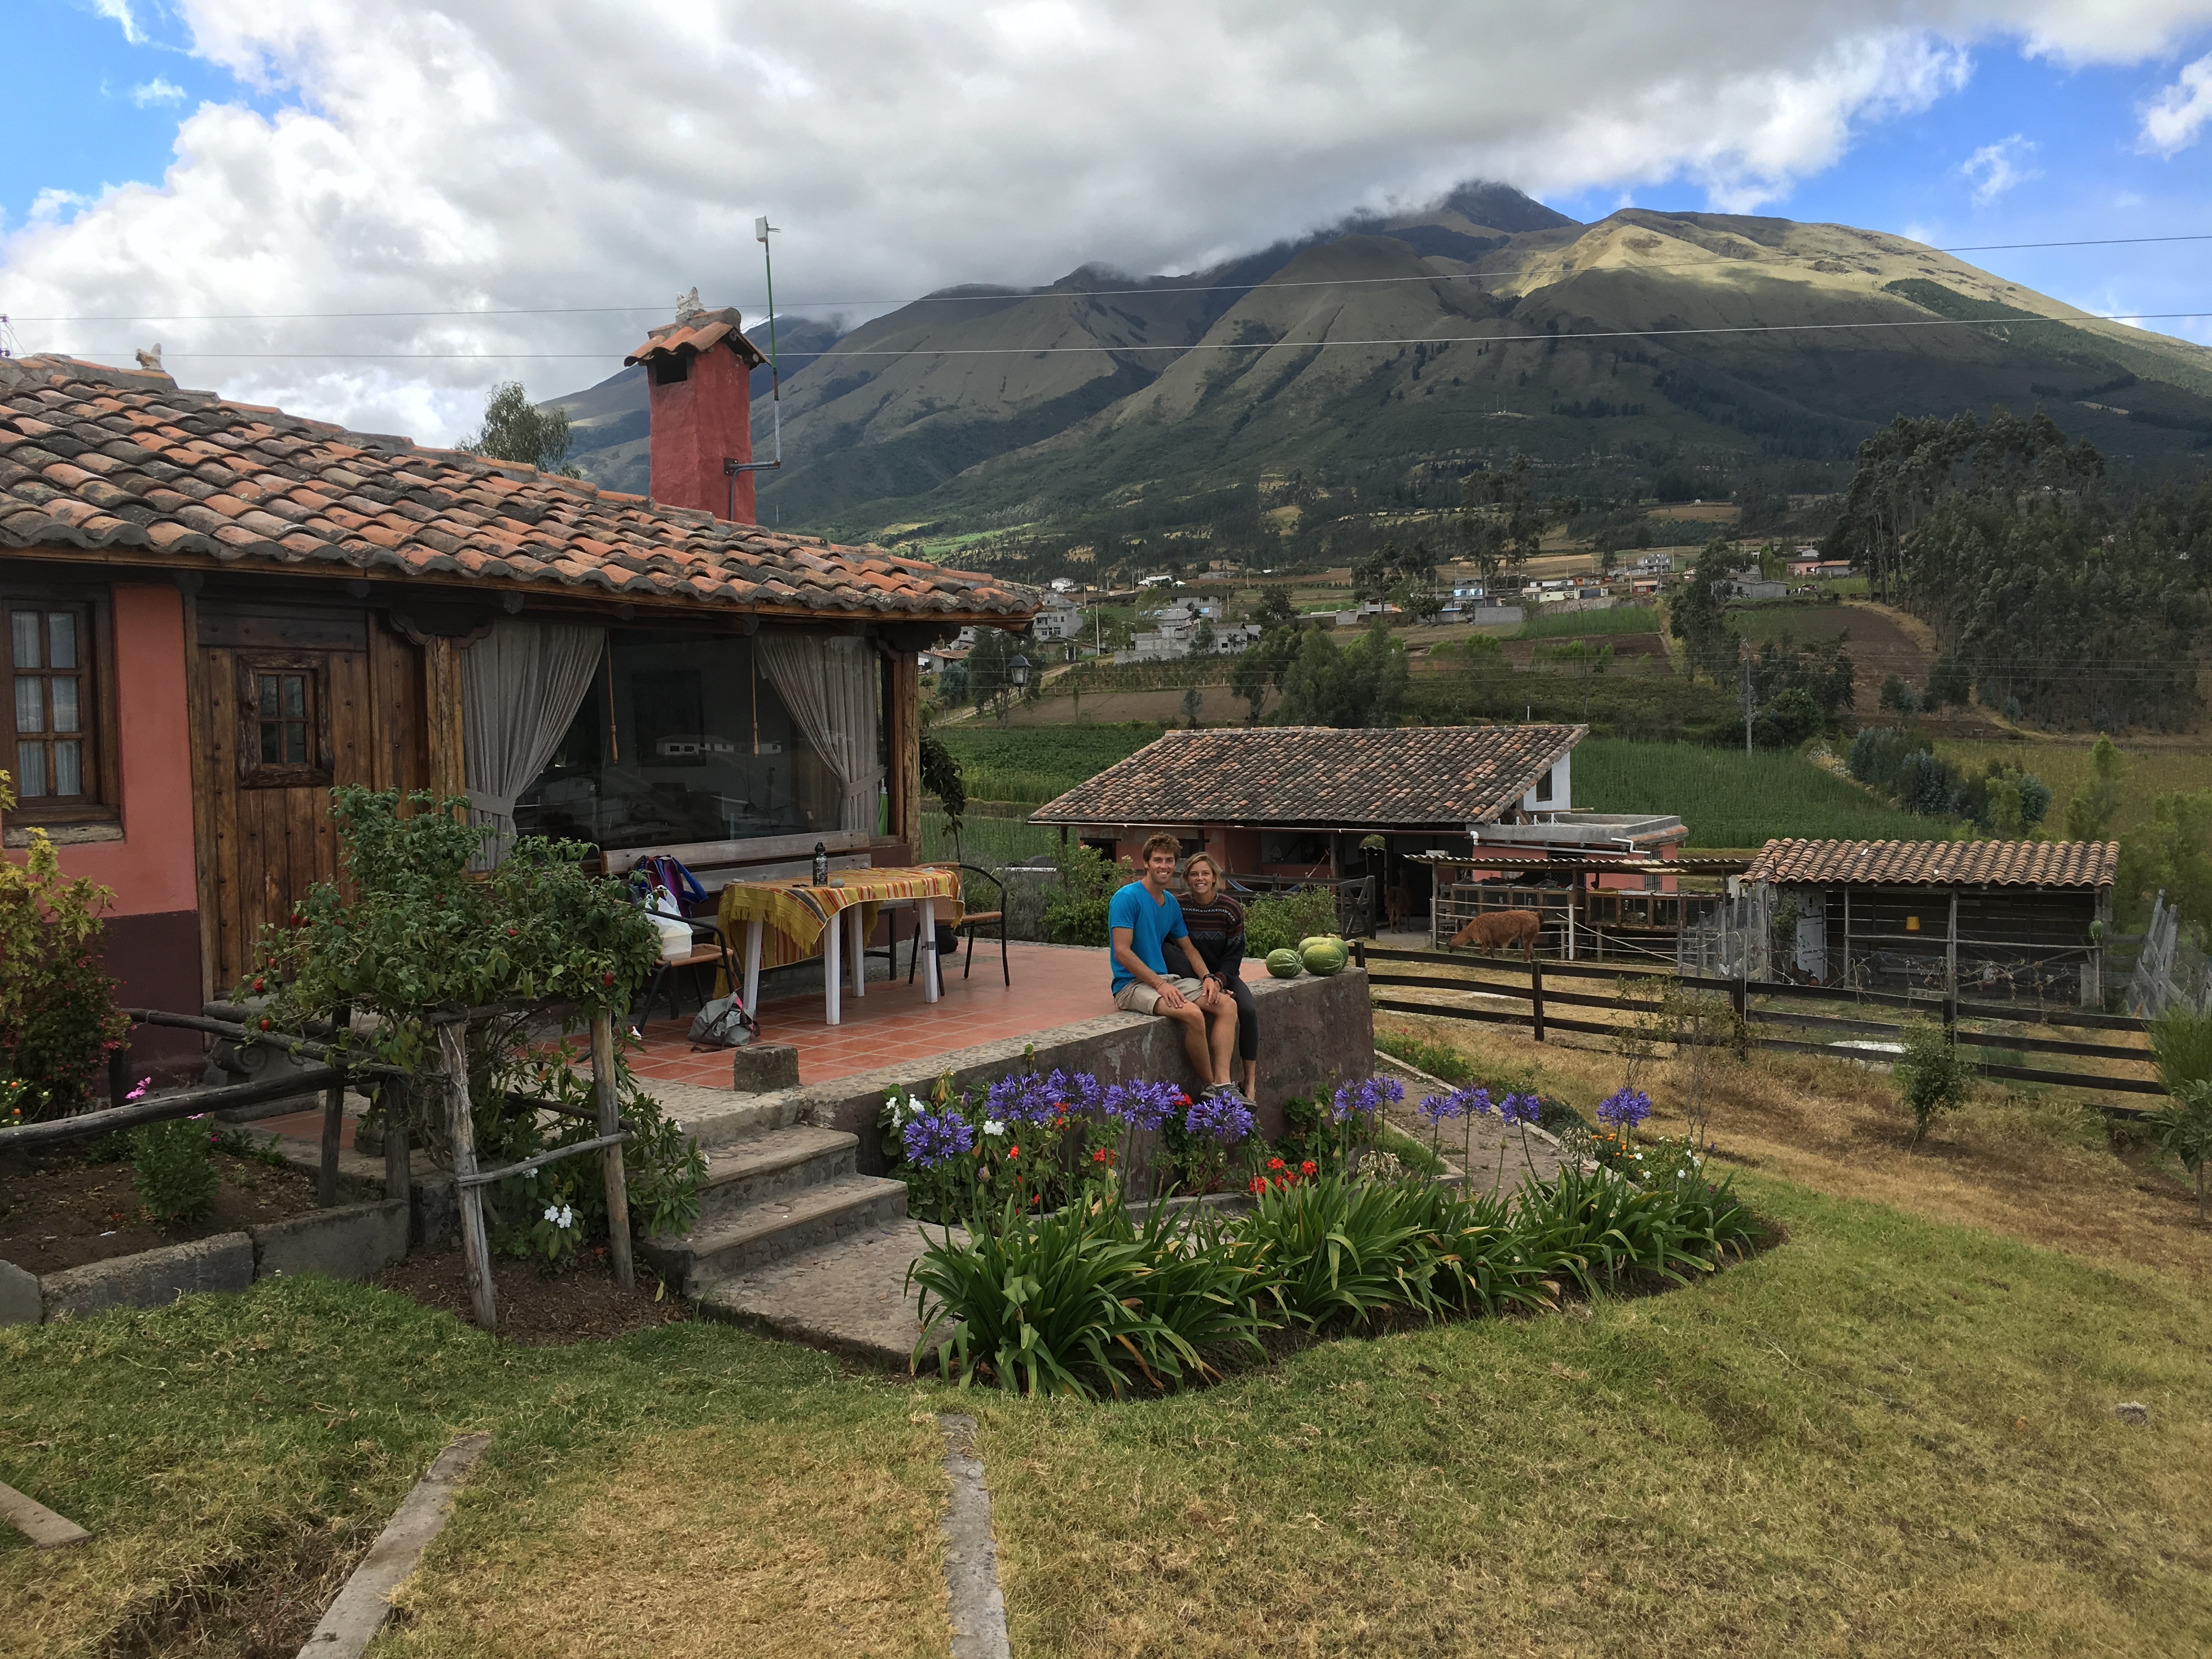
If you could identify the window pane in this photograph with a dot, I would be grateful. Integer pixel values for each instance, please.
(295, 743)
(30, 704)
(61, 639)
(30, 769)
(295, 696)
(64, 692)
(270, 734)
(26, 626)
(265, 695)
(69, 768)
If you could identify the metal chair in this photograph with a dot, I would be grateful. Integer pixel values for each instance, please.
(970, 922)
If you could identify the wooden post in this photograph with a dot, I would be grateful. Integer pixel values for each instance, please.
(118, 1071)
(1951, 968)
(327, 1177)
(610, 1157)
(460, 1126)
(399, 1173)
(1536, 995)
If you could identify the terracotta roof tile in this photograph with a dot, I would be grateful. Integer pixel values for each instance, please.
(103, 458)
(1303, 775)
(1939, 863)
(700, 332)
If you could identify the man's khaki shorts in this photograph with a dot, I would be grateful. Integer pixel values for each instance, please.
(1138, 997)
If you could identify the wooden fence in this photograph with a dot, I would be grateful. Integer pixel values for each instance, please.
(329, 1079)
(1394, 973)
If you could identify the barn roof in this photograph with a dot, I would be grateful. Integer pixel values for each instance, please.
(1414, 777)
(129, 468)
(1938, 863)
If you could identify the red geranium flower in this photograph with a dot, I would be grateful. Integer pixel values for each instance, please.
(1308, 1168)
(1274, 1163)
(1259, 1184)
(1013, 1151)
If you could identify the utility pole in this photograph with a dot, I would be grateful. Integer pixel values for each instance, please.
(1747, 705)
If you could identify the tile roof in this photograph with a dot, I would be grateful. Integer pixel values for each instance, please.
(703, 330)
(127, 466)
(1944, 863)
(1423, 775)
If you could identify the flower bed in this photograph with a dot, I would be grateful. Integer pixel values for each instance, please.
(1058, 1285)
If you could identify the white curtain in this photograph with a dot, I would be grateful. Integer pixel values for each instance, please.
(828, 684)
(521, 685)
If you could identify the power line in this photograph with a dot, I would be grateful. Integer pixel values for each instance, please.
(1159, 285)
(1224, 345)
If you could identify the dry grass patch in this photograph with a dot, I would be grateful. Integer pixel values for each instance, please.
(710, 1542)
(2041, 1168)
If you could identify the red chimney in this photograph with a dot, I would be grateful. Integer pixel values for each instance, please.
(698, 372)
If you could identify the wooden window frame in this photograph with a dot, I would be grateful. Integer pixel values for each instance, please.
(254, 773)
(102, 803)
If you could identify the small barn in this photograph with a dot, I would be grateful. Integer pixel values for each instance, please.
(1365, 810)
(1994, 921)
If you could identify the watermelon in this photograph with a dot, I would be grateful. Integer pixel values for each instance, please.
(1324, 957)
(1285, 963)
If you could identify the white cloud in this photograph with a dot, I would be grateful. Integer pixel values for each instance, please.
(2179, 114)
(157, 91)
(1995, 168)
(118, 11)
(432, 155)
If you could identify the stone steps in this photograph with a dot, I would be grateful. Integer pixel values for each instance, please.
(743, 1173)
(780, 1224)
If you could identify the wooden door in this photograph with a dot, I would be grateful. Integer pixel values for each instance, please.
(289, 701)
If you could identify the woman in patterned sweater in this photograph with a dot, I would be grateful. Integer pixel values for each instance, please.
(1216, 923)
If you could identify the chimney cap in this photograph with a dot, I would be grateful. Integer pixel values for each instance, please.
(699, 331)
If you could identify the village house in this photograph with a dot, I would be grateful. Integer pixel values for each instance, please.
(1374, 809)
(217, 612)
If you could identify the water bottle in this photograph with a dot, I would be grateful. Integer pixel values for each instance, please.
(821, 865)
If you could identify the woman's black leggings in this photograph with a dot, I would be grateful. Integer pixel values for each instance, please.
(1248, 1019)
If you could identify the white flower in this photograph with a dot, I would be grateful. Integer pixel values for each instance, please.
(567, 1217)
(993, 1127)
(553, 1214)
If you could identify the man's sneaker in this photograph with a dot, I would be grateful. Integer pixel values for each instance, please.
(1231, 1091)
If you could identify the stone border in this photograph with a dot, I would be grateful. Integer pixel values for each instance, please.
(350, 1242)
(353, 1619)
(974, 1604)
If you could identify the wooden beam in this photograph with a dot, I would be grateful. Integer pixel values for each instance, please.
(904, 750)
(442, 707)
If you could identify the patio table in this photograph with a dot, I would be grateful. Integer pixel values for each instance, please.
(789, 922)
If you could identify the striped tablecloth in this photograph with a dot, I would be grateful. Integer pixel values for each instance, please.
(796, 913)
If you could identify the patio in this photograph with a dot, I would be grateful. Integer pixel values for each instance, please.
(1055, 985)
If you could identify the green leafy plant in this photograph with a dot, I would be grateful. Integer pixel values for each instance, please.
(1280, 921)
(1595, 1225)
(2181, 1039)
(1337, 1249)
(1088, 881)
(169, 1162)
(2182, 1130)
(1932, 1075)
(59, 1020)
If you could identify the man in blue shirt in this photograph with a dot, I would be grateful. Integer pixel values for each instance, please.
(1142, 919)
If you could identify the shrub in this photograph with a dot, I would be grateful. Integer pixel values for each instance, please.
(2182, 1129)
(1280, 921)
(1595, 1225)
(2181, 1038)
(1438, 1059)
(1088, 881)
(1933, 1076)
(1337, 1250)
(169, 1162)
(58, 1015)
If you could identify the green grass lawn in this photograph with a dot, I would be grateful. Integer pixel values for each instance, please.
(1036, 762)
(1728, 799)
(1884, 1435)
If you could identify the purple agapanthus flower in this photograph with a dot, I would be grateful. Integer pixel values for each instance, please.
(1625, 1109)
(1520, 1109)
(1366, 1097)
(1459, 1102)
(937, 1138)
(1076, 1091)
(1143, 1105)
(1219, 1117)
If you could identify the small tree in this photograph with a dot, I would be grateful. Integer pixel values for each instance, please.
(2089, 815)
(1933, 1076)
(941, 777)
(516, 429)
(2182, 1130)
(59, 1020)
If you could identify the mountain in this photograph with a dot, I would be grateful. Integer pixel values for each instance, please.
(1390, 355)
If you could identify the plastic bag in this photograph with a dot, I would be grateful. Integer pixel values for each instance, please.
(723, 1023)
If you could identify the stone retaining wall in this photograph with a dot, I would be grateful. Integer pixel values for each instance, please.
(1318, 1032)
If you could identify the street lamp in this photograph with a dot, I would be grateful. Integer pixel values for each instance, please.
(1018, 670)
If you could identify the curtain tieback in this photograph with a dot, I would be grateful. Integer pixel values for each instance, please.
(494, 806)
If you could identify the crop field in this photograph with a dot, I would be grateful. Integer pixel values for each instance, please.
(1035, 763)
(1574, 625)
(2064, 765)
(1726, 800)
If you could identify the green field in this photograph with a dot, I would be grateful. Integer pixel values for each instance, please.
(1726, 800)
(1565, 624)
(1036, 762)
(2064, 765)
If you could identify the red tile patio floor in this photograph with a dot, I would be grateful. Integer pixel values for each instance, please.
(1053, 985)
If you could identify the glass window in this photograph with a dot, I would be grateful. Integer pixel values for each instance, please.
(680, 739)
(52, 696)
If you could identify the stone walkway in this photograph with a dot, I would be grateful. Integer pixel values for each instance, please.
(850, 1297)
